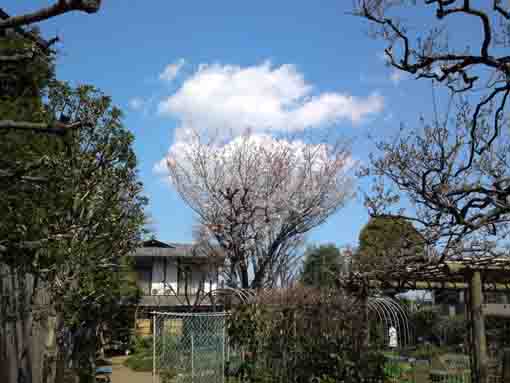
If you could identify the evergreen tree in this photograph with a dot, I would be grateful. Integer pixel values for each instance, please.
(387, 242)
(322, 266)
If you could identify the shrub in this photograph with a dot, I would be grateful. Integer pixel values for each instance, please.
(167, 375)
(141, 359)
(425, 324)
(141, 344)
(139, 362)
(303, 334)
(426, 351)
(454, 329)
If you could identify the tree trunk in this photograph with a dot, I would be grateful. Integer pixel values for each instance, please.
(27, 329)
(87, 366)
(101, 341)
(16, 334)
(9, 361)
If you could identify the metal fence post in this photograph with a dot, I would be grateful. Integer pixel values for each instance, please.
(223, 351)
(154, 348)
(192, 357)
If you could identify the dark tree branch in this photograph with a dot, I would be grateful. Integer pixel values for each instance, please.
(59, 8)
(17, 57)
(452, 67)
(7, 174)
(56, 128)
(454, 174)
(503, 12)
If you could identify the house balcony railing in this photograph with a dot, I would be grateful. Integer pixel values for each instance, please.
(172, 300)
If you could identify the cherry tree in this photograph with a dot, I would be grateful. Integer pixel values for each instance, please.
(257, 196)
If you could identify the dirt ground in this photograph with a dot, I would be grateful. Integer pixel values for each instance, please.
(121, 374)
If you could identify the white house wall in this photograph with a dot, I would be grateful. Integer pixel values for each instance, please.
(214, 284)
(211, 286)
(157, 276)
(162, 281)
(171, 274)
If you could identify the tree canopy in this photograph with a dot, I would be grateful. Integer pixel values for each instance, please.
(257, 196)
(387, 241)
(72, 210)
(322, 266)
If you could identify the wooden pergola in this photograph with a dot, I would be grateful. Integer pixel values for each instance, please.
(473, 275)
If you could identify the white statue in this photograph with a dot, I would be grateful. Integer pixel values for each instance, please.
(393, 337)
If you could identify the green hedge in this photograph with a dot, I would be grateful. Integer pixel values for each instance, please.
(139, 362)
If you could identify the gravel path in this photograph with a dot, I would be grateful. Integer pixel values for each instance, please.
(121, 374)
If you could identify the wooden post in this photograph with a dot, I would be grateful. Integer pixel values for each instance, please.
(479, 370)
(506, 366)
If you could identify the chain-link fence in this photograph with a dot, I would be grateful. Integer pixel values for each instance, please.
(190, 347)
(278, 347)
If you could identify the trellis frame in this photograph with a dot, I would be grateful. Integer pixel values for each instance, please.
(472, 274)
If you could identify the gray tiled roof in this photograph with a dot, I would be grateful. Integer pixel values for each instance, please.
(171, 300)
(155, 248)
(181, 251)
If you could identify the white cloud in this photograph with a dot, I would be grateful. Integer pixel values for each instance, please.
(160, 168)
(262, 146)
(263, 98)
(172, 70)
(224, 101)
(136, 103)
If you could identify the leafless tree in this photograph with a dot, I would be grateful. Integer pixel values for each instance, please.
(284, 270)
(257, 196)
(454, 170)
(457, 209)
(437, 55)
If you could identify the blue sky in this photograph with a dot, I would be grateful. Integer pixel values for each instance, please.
(315, 46)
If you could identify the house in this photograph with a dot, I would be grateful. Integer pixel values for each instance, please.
(175, 277)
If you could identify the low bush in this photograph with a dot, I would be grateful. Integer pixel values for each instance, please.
(302, 335)
(167, 375)
(426, 351)
(139, 362)
(141, 344)
(141, 359)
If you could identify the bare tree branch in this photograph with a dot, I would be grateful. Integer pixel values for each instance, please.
(59, 8)
(256, 196)
(433, 56)
(456, 206)
(503, 12)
